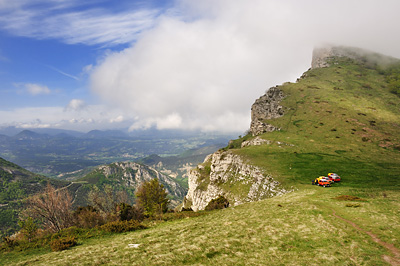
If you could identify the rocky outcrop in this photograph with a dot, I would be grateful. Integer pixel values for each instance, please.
(255, 142)
(132, 174)
(324, 54)
(264, 108)
(226, 174)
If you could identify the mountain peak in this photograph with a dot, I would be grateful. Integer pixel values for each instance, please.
(323, 54)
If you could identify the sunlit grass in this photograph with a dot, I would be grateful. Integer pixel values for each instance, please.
(294, 229)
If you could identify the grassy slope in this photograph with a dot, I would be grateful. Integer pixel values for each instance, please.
(328, 120)
(340, 119)
(294, 229)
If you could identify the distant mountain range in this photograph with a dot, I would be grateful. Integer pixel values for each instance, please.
(54, 152)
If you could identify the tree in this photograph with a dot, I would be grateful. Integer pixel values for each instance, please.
(28, 228)
(152, 197)
(106, 200)
(53, 207)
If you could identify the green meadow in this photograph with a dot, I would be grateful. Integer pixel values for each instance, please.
(299, 228)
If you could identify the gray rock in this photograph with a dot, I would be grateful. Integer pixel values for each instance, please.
(231, 177)
(132, 174)
(255, 142)
(264, 108)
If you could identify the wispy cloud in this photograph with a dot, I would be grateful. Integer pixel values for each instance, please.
(63, 73)
(72, 24)
(36, 89)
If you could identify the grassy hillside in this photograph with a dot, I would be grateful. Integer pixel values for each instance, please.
(340, 119)
(305, 227)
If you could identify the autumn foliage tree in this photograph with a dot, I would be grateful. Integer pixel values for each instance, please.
(152, 198)
(53, 208)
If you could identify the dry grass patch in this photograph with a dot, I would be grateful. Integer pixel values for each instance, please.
(349, 198)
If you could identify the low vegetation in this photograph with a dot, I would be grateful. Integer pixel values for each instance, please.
(298, 228)
(216, 204)
(49, 219)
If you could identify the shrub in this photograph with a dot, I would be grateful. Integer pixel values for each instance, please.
(62, 243)
(88, 217)
(122, 226)
(29, 228)
(53, 207)
(219, 203)
(127, 212)
(9, 242)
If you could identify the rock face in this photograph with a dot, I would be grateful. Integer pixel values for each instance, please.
(266, 107)
(224, 173)
(255, 142)
(132, 174)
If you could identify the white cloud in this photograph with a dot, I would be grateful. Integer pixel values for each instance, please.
(204, 68)
(75, 105)
(92, 116)
(34, 124)
(117, 119)
(203, 63)
(35, 89)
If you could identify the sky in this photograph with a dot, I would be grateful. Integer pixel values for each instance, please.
(172, 64)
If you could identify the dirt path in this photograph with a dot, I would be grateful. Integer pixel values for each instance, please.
(395, 261)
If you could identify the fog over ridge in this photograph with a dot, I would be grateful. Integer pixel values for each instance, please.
(205, 67)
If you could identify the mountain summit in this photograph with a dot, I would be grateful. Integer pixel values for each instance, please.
(340, 116)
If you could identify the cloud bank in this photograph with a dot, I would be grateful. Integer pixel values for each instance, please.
(199, 64)
(204, 66)
(75, 116)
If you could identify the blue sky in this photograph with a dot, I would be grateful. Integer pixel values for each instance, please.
(169, 64)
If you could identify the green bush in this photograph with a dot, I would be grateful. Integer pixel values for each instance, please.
(122, 226)
(62, 243)
(29, 228)
(127, 212)
(219, 203)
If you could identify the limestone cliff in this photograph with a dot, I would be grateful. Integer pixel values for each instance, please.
(266, 107)
(224, 173)
(132, 175)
